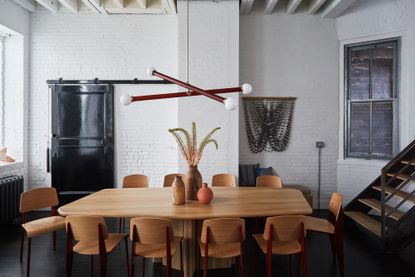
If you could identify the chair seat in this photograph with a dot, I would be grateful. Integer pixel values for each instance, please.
(226, 250)
(44, 225)
(278, 247)
(318, 225)
(92, 247)
(156, 250)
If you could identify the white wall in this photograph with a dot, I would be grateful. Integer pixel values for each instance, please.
(214, 63)
(85, 46)
(367, 21)
(295, 55)
(16, 21)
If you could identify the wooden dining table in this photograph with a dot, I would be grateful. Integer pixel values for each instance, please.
(244, 202)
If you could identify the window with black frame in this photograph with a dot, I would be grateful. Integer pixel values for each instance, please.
(371, 83)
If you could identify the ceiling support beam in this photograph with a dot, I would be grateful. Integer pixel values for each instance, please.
(51, 5)
(315, 5)
(292, 6)
(142, 3)
(118, 3)
(26, 4)
(337, 7)
(169, 6)
(269, 6)
(71, 5)
(94, 5)
(246, 6)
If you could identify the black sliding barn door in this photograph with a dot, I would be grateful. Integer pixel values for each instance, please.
(82, 139)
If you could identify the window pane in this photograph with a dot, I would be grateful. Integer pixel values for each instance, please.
(359, 127)
(382, 72)
(359, 74)
(382, 128)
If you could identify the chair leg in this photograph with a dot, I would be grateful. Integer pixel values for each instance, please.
(197, 264)
(119, 224)
(241, 265)
(144, 267)
(181, 259)
(91, 264)
(205, 266)
(54, 240)
(333, 246)
(268, 264)
(291, 265)
(103, 265)
(29, 248)
(340, 254)
(22, 233)
(126, 253)
(304, 264)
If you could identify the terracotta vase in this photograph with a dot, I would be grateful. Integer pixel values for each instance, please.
(205, 194)
(178, 191)
(193, 182)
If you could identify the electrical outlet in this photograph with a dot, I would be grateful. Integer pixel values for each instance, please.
(319, 144)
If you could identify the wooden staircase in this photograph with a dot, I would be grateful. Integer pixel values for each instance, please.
(386, 207)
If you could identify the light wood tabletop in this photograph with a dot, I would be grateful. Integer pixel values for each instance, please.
(157, 202)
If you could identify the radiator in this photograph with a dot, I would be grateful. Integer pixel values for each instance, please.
(10, 189)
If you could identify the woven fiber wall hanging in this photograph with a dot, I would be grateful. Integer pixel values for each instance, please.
(268, 122)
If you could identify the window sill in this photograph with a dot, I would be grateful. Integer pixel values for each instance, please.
(6, 166)
(362, 162)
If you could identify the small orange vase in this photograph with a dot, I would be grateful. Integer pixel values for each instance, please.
(205, 194)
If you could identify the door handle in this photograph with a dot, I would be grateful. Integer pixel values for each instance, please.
(47, 160)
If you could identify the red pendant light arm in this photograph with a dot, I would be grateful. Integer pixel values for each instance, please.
(183, 94)
(188, 86)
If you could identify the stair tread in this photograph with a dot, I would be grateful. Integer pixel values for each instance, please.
(366, 221)
(401, 176)
(399, 193)
(376, 204)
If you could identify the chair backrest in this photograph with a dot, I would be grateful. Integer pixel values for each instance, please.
(269, 181)
(135, 181)
(151, 230)
(38, 199)
(223, 180)
(85, 228)
(169, 179)
(284, 228)
(223, 230)
(335, 204)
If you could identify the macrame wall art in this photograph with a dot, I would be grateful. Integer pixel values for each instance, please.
(268, 122)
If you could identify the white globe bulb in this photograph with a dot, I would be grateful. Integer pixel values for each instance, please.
(126, 99)
(150, 71)
(246, 88)
(230, 104)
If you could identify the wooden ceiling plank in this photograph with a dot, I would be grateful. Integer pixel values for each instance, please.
(292, 6)
(315, 5)
(337, 7)
(51, 5)
(248, 7)
(28, 5)
(169, 6)
(142, 3)
(269, 6)
(94, 5)
(118, 3)
(71, 5)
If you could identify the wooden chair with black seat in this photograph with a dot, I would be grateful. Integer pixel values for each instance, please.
(153, 238)
(129, 182)
(283, 235)
(36, 199)
(332, 226)
(269, 181)
(223, 180)
(169, 179)
(92, 238)
(222, 238)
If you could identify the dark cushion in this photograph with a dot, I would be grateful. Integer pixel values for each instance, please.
(267, 171)
(247, 176)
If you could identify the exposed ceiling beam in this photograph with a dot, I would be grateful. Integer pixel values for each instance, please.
(118, 3)
(169, 6)
(269, 6)
(71, 5)
(94, 5)
(26, 4)
(51, 5)
(292, 6)
(246, 6)
(142, 3)
(337, 7)
(315, 6)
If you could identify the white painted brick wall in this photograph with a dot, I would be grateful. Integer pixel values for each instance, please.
(295, 55)
(85, 46)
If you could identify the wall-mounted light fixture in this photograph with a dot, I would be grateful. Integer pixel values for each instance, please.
(230, 103)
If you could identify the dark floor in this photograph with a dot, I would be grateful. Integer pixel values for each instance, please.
(363, 257)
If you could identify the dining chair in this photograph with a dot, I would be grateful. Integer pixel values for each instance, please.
(169, 179)
(92, 238)
(132, 181)
(36, 199)
(135, 181)
(223, 180)
(222, 238)
(153, 238)
(333, 226)
(283, 235)
(269, 181)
